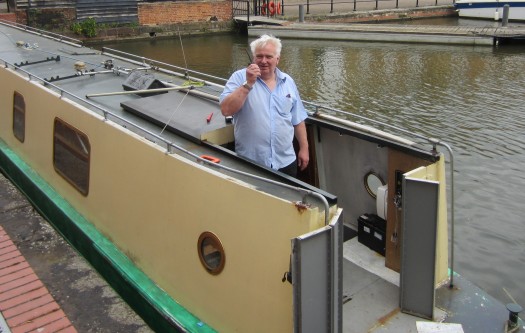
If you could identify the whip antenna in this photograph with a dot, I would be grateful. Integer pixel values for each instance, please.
(249, 56)
(183, 55)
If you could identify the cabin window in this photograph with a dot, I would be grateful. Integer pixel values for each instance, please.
(19, 117)
(71, 155)
(211, 253)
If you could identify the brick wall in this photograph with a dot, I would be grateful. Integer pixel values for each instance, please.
(172, 12)
(11, 17)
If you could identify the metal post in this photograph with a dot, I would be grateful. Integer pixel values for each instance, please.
(301, 13)
(248, 14)
(505, 19)
(355, 5)
(331, 6)
(307, 6)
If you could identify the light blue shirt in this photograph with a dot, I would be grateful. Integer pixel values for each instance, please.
(264, 126)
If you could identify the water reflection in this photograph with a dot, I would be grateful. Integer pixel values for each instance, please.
(470, 97)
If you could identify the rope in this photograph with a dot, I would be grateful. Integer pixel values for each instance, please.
(174, 111)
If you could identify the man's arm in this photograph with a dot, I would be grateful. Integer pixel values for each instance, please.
(303, 157)
(234, 101)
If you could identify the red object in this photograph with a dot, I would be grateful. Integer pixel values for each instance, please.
(211, 158)
(209, 117)
(271, 8)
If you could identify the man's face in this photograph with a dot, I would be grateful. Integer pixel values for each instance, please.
(267, 60)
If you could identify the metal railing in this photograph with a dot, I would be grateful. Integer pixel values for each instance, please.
(242, 8)
(43, 33)
(344, 5)
(260, 7)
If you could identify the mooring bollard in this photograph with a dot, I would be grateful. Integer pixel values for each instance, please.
(505, 19)
(514, 311)
(301, 13)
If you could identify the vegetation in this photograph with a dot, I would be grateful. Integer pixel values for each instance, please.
(86, 28)
(90, 28)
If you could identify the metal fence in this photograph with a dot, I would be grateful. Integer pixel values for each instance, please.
(281, 7)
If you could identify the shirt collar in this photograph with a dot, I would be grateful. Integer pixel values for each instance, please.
(280, 75)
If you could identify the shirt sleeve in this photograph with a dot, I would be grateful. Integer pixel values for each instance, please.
(233, 83)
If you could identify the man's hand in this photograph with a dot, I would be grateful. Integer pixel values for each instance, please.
(303, 157)
(252, 73)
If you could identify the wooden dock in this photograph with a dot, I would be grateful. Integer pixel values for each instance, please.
(429, 34)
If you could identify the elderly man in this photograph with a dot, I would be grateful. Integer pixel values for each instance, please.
(267, 110)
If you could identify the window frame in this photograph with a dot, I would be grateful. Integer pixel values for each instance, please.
(59, 139)
(19, 116)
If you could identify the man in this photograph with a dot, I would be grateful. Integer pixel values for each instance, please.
(267, 110)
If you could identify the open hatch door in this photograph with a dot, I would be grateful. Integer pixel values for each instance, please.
(317, 278)
(420, 202)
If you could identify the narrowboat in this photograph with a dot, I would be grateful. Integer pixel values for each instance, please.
(131, 160)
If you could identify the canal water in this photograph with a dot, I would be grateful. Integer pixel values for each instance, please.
(470, 97)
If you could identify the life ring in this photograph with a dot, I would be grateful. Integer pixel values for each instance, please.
(271, 8)
(279, 8)
(263, 9)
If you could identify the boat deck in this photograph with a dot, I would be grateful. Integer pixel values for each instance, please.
(368, 281)
(393, 33)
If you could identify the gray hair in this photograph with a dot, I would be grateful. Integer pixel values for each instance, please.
(265, 40)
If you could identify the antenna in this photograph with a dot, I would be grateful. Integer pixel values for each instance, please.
(183, 55)
(249, 56)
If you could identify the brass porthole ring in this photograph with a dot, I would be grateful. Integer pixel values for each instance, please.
(211, 253)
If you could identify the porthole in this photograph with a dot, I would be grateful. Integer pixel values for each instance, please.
(211, 253)
(372, 182)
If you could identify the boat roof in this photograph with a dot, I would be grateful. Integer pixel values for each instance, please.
(188, 121)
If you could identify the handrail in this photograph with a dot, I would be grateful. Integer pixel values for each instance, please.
(170, 145)
(43, 33)
(143, 60)
(354, 3)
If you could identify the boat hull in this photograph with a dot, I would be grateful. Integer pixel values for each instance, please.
(492, 10)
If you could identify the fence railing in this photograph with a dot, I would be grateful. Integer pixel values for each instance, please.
(277, 8)
(242, 8)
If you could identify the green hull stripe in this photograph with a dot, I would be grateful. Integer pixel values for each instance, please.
(154, 305)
